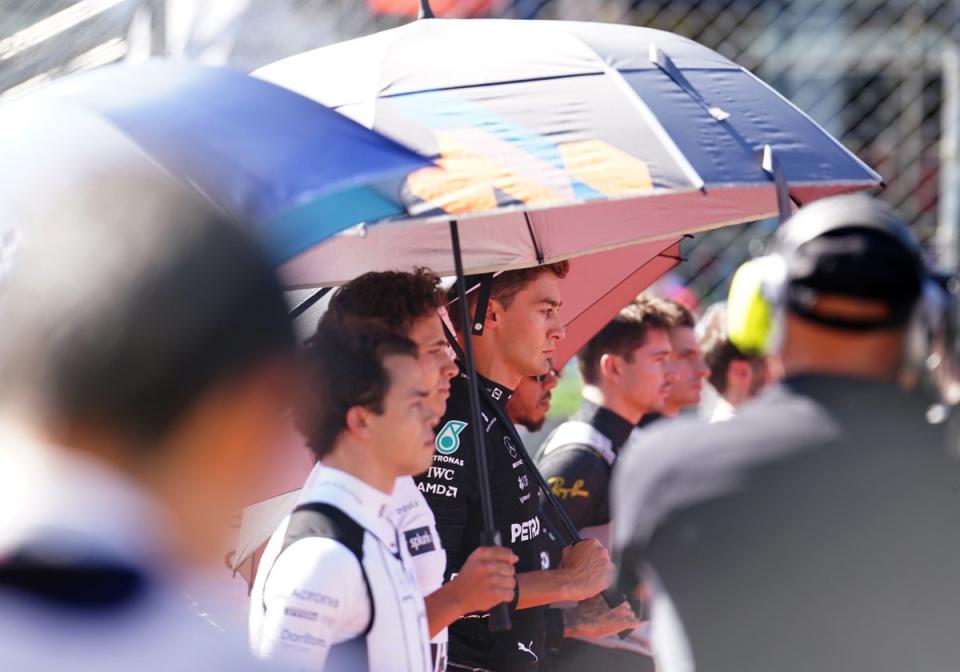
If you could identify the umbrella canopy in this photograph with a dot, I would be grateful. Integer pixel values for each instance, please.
(599, 285)
(296, 170)
(558, 139)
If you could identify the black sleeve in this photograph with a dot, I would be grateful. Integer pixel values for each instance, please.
(579, 478)
(450, 488)
(553, 621)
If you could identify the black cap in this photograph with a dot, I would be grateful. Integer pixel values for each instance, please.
(856, 247)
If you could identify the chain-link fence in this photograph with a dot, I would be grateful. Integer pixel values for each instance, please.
(869, 71)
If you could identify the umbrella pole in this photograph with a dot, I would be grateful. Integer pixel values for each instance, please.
(499, 615)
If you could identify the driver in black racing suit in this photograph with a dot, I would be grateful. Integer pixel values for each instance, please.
(521, 329)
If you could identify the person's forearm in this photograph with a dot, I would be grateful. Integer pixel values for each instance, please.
(545, 587)
(443, 607)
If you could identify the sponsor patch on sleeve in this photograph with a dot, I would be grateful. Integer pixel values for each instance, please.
(419, 540)
(559, 486)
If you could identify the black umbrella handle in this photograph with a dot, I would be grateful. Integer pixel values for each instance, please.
(499, 616)
(499, 620)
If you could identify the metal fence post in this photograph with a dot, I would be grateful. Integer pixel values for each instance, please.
(948, 226)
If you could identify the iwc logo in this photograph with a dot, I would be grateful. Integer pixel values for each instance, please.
(448, 439)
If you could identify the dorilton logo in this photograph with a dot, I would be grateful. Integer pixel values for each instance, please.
(448, 439)
(301, 638)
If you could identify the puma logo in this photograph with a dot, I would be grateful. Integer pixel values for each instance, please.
(528, 649)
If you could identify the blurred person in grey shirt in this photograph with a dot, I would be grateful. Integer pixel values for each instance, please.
(816, 529)
(147, 362)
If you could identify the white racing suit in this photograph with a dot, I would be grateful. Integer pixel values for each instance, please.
(336, 584)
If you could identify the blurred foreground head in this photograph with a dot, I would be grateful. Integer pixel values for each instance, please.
(840, 294)
(144, 330)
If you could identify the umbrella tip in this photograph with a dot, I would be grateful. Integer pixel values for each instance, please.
(425, 10)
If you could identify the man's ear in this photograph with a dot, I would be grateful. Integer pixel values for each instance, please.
(356, 422)
(494, 316)
(610, 366)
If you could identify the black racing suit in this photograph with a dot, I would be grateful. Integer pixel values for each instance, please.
(451, 489)
(578, 468)
(577, 459)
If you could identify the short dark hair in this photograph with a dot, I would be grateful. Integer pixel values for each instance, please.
(129, 300)
(345, 369)
(505, 286)
(718, 353)
(394, 298)
(678, 315)
(624, 333)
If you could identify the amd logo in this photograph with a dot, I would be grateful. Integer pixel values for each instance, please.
(438, 489)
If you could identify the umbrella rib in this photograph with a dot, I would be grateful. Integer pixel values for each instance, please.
(533, 238)
(652, 120)
(307, 303)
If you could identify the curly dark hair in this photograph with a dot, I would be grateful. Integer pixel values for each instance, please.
(393, 298)
(625, 333)
(345, 370)
(506, 286)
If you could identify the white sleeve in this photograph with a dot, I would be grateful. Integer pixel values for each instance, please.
(315, 597)
(418, 529)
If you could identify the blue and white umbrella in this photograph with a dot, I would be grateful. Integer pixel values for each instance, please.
(294, 169)
(555, 139)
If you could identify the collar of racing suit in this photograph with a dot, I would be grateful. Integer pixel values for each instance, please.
(613, 426)
(362, 502)
(497, 392)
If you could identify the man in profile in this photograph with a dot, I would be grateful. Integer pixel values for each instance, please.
(336, 588)
(689, 371)
(409, 304)
(521, 327)
(147, 363)
(816, 529)
(530, 403)
(627, 375)
(735, 376)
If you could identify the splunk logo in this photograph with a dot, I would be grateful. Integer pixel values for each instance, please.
(525, 531)
(419, 540)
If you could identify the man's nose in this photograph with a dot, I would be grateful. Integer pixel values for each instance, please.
(449, 368)
(558, 331)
